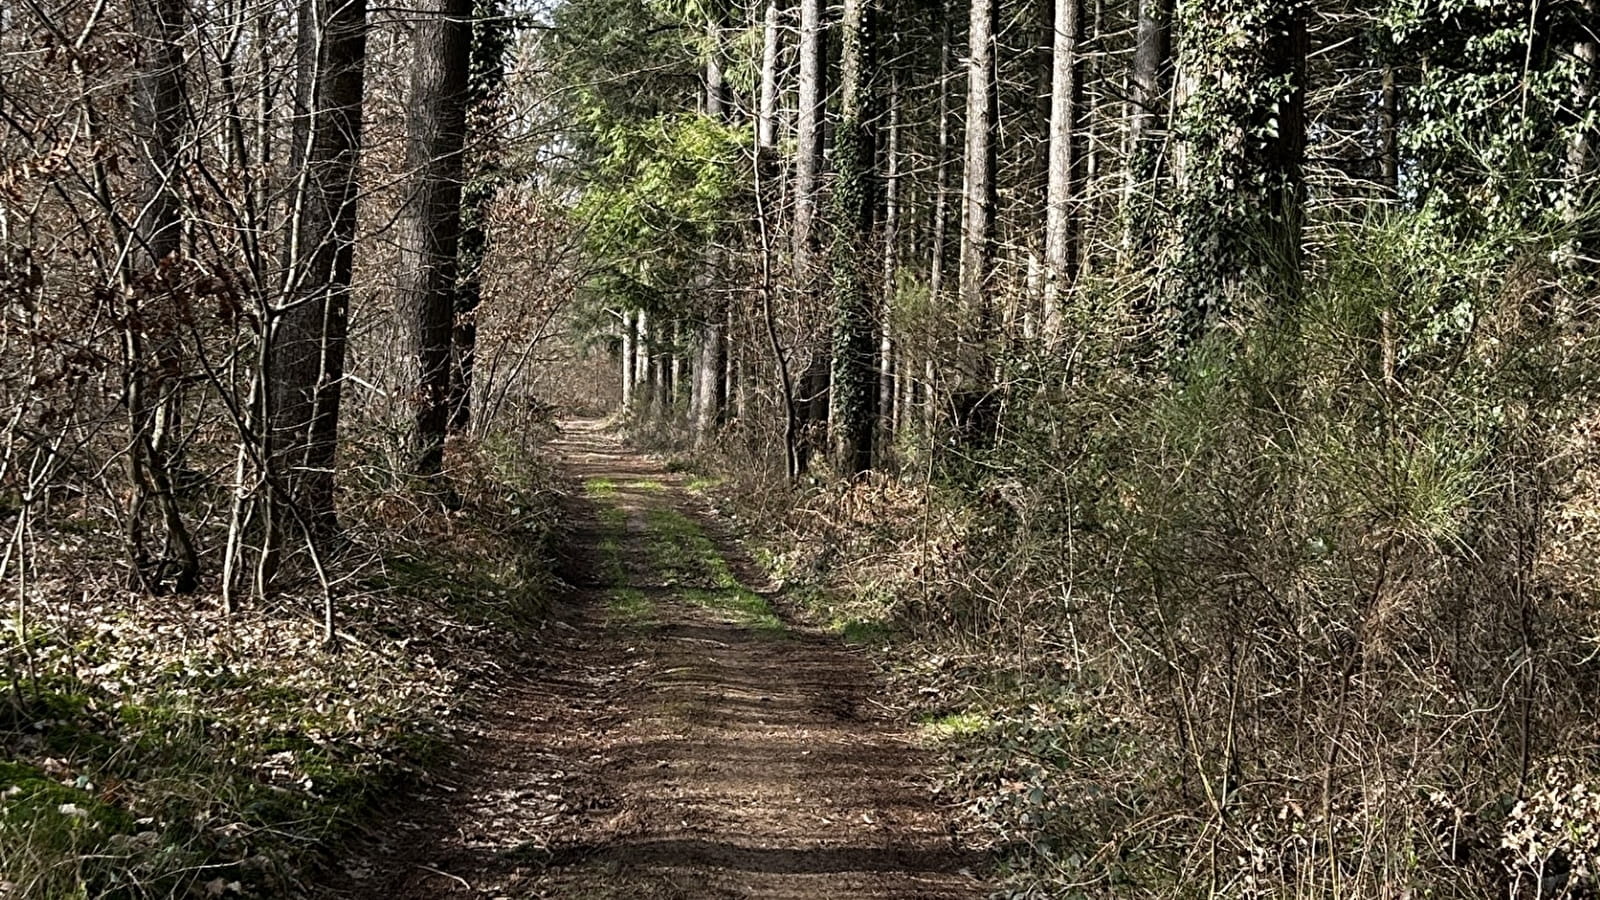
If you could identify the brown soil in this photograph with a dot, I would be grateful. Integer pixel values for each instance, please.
(671, 747)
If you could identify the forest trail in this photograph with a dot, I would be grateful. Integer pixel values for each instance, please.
(679, 739)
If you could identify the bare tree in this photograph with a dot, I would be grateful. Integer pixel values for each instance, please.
(306, 332)
(153, 329)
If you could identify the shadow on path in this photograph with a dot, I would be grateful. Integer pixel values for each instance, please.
(681, 742)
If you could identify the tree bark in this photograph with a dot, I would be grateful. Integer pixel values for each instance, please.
(629, 357)
(767, 114)
(808, 140)
(1244, 191)
(813, 405)
(1388, 143)
(888, 357)
(707, 392)
(153, 339)
(941, 219)
(853, 388)
(978, 190)
(306, 344)
(480, 184)
(1062, 185)
(429, 228)
(1152, 58)
(643, 348)
(1283, 157)
(977, 221)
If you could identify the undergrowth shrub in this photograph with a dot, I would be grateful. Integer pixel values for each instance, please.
(152, 747)
(1307, 612)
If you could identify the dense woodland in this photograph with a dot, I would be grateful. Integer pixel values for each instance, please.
(1197, 399)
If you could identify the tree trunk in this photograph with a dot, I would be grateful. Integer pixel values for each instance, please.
(1388, 143)
(853, 391)
(808, 140)
(1148, 100)
(767, 114)
(941, 219)
(1244, 192)
(153, 338)
(429, 228)
(481, 162)
(306, 347)
(1062, 185)
(629, 358)
(977, 220)
(1283, 157)
(642, 351)
(813, 407)
(679, 365)
(707, 395)
(1581, 148)
(888, 357)
(978, 190)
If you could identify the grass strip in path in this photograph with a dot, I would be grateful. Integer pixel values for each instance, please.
(626, 604)
(691, 560)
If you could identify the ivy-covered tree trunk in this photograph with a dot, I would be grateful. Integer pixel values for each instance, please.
(1243, 127)
(854, 386)
(430, 227)
(481, 176)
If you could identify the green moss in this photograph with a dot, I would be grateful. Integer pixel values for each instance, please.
(51, 813)
(62, 719)
(599, 488)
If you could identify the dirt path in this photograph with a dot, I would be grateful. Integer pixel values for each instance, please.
(681, 740)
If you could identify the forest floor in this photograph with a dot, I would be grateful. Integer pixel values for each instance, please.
(681, 737)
